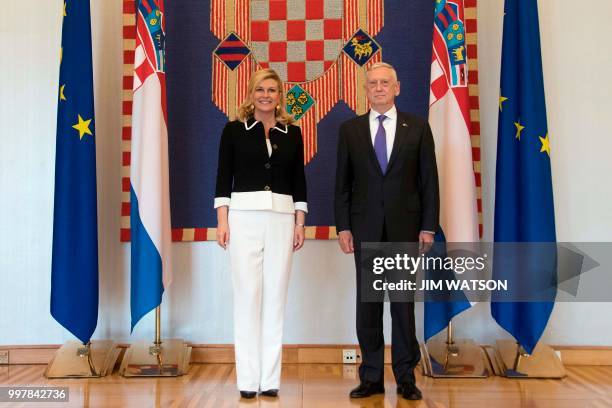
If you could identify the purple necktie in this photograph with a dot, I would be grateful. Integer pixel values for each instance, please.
(380, 144)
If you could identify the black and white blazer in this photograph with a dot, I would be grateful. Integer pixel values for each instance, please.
(253, 174)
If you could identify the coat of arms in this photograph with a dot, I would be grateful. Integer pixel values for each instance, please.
(320, 48)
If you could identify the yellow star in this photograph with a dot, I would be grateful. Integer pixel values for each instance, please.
(502, 99)
(519, 129)
(545, 144)
(62, 96)
(83, 127)
(64, 9)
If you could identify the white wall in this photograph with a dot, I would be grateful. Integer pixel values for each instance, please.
(321, 299)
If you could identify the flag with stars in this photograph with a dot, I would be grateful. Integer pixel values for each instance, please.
(524, 209)
(74, 265)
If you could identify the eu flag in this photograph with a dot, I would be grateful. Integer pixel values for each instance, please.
(74, 265)
(524, 210)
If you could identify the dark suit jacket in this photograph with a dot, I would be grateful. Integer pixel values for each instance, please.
(406, 197)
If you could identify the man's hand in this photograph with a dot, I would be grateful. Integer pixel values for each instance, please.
(426, 240)
(345, 239)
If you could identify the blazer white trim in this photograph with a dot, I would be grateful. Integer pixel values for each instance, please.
(247, 127)
(281, 130)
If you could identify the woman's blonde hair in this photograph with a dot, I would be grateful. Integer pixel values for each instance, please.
(246, 109)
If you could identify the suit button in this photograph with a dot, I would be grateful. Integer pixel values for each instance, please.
(267, 166)
(267, 188)
(274, 146)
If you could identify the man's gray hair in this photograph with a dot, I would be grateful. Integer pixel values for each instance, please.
(382, 65)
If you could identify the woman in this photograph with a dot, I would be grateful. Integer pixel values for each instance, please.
(261, 206)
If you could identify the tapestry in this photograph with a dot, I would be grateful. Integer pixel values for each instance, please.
(320, 48)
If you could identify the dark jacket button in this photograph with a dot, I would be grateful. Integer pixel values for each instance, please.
(267, 188)
(267, 166)
(274, 146)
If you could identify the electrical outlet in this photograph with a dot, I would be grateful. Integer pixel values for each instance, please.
(349, 372)
(4, 357)
(349, 356)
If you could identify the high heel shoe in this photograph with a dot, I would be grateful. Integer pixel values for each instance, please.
(270, 393)
(248, 394)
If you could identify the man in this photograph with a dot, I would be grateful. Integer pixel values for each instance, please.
(386, 191)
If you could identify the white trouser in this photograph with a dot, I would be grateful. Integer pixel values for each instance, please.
(261, 249)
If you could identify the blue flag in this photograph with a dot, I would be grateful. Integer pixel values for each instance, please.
(439, 311)
(524, 210)
(74, 265)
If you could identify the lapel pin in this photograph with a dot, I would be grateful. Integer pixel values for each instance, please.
(404, 124)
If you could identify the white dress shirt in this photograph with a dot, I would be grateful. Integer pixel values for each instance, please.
(389, 124)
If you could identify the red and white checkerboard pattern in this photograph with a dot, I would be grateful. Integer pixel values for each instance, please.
(298, 39)
(242, 9)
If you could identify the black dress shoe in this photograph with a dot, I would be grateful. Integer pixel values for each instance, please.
(270, 393)
(409, 391)
(366, 389)
(248, 394)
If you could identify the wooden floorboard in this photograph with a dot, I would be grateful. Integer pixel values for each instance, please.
(319, 385)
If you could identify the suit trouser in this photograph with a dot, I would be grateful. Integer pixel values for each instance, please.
(405, 353)
(261, 250)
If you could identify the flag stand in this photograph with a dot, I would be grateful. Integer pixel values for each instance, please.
(170, 358)
(77, 360)
(510, 360)
(461, 358)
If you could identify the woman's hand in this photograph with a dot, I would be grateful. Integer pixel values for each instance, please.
(299, 230)
(223, 233)
(298, 237)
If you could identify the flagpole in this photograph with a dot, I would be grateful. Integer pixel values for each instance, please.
(158, 326)
(151, 240)
(146, 359)
(449, 333)
(452, 104)
(524, 315)
(92, 367)
(156, 350)
(452, 349)
(74, 261)
(85, 360)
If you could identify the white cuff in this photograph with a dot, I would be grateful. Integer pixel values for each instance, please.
(301, 205)
(221, 201)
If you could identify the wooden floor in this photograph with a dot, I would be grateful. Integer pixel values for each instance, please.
(319, 385)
